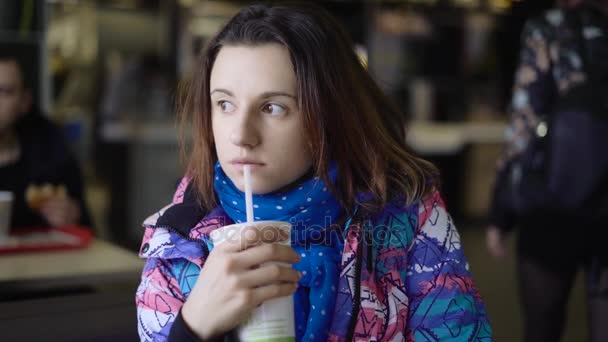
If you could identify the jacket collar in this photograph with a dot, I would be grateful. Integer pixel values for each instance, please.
(181, 229)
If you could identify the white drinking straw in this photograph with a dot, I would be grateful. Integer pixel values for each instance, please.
(248, 194)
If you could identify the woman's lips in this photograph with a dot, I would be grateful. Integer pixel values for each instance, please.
(253, 165)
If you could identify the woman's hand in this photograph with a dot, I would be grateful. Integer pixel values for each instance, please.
(496, 242)
(236, 279)
(61, 211)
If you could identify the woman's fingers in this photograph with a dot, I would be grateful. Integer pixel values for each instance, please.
(256, 256)
(264, 293)
(265, 253)
(240, 275)
(239, 240)
(269, 274)
(250, 237)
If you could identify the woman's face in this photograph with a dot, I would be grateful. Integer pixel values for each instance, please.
(255, 117)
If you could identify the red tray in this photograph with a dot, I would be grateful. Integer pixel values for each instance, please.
(46, 239)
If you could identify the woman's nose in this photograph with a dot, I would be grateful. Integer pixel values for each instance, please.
(245, 133)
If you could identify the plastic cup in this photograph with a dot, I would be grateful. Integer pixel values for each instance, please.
(6, 204)
(273, 321)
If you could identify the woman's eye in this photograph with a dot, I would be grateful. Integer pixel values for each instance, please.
(226, 106)
(274, 109)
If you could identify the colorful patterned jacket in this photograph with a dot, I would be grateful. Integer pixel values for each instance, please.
(405, 280)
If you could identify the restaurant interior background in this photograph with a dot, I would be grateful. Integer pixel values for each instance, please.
(107, 71)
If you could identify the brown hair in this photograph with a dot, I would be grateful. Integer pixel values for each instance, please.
(346, 116)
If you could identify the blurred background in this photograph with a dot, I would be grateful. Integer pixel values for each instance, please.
(107, 73)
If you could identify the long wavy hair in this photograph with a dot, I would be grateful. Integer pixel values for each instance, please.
(346, 116)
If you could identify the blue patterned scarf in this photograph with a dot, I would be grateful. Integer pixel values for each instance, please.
(310, 207)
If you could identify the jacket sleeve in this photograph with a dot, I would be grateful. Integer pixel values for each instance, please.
(165, 286)
(158, 298)
(533, 93)
(444, 302)
(166, 282)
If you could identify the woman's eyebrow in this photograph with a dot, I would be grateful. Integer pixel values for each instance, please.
(268, 94)
(264, 95)
(219, 90)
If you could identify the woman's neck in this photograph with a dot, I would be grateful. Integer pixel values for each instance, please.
(309, 174)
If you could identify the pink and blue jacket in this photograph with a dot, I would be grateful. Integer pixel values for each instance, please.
(412, 284)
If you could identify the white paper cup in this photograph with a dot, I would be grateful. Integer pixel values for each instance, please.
(273, 321)
(6, 204)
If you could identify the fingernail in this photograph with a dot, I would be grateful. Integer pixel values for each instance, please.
(299, 275)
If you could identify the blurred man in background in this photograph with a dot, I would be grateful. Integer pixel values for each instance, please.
(35, 162)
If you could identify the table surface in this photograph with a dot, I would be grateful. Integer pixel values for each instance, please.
(79, 295)
(99, 260)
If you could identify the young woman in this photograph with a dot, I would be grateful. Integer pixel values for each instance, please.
(375, 254)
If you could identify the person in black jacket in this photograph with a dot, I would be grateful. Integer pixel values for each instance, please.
(553, 244)
(33, 153)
